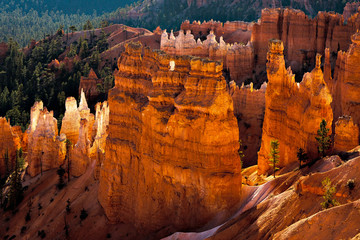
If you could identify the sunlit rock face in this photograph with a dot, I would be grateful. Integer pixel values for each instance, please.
(9, 143)
(346, 82)
(171, 154)
(302, 36)
(71, 122)
(45, 149)
(346, 134)
(238, 59)
(293, 111)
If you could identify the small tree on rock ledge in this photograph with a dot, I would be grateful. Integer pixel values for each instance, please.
(274, 155)
(323, 138)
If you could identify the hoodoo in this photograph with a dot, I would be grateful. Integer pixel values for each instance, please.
(172, 144)
(293, 111)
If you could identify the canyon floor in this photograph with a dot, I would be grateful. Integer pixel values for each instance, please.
(274, 209)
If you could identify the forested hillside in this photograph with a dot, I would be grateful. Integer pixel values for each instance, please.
(24, 20)
(28, 76)
(169, 14)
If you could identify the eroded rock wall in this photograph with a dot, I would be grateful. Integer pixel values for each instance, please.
(346, 82)
(9, 143)
(238, 59)
(249, 110)
(171, 154)
(46, 150)
(302, 36)
(346, 134)
(293, 111)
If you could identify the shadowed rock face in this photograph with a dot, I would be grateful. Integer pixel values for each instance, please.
(171, 155)
(293, 111)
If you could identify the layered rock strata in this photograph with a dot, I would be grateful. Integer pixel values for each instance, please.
(249, 109)
(293, 111)
(90, 86)
(171, 153)
(46, 150)
(302, 36)
(346, 134)
(70, 125)
(9, 143)
(238, 59)
(226, 29)
(346, 82)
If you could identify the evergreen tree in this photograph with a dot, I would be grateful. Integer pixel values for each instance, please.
(72, 29)
(330, 190)
(323, 138)
(302, 156)
(61, 173)
(274, 155)
(16, 191)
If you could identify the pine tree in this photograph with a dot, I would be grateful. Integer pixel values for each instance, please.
(16, 191)
(323, 138)
(274, 155)
(302, 156)
(330, 190)
(61, 173)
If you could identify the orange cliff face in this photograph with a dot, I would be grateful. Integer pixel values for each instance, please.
(293, 111)
(172, 144)
(346, 134)
(238, 59)
(46, 150)
(302, 36)
(9, 143)
(346, 77)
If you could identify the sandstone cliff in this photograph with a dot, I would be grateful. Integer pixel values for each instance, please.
(172, 144)
(70, 125)
(346, 134)
(238, 59)
(46, 149)
(89, 86)
(249, 109)
(293, 111)
(302, 36)
(9, 143)
(346, 77)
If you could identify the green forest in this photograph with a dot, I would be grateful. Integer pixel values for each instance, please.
(25, 79)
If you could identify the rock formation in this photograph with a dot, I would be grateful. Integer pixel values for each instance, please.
(346, 77)
(249, 109)
(97, 150)
(293, 111)
(70, 125)
(9, 143)
(46, 150)
(346, 134)
(89, 86)
(171, 154)
(227, 29)
(238, 59)
(303, 37)
(80, 155)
